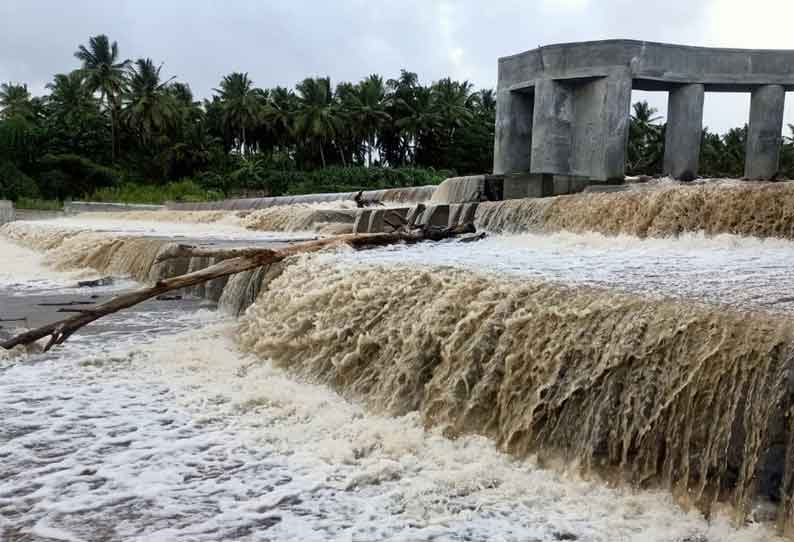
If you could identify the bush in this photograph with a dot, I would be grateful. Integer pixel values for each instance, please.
(69, 175)
(39, 204)
(253, 176)
(14, 184)
(140, 193)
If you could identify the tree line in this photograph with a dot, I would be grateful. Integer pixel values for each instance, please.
(114, 127)
(113, 120)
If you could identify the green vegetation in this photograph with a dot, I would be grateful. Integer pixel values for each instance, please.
(720, 155)
(40, 204)
(186, 190)
(119, 129)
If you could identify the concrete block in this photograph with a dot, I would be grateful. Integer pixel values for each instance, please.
(376, 224)
(395, 215)
(361, 224)
(436, 215)
(461, 213)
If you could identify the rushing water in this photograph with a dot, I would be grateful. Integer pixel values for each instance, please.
(156, 427)
(727, 269)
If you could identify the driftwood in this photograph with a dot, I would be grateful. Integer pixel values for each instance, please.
(104, 281)
(362, 202)
(237, 261)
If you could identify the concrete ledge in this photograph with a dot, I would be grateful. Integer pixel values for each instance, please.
(601, 188)
(542, 185)
(76, 207)
(412, 194)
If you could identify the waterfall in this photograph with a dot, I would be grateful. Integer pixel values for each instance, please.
(655, 393)
(136, 257)
(750, 209)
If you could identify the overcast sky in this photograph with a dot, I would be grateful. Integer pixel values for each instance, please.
(280, 42)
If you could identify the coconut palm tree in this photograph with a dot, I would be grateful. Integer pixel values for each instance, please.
(149, 107)
(74, 118)
(15, 101)
(367, 106)
(419, 119)
(106, 74)
(279, 114)
(318, 119)
(69, 96)
(646, 140)
(241, 106)
(452, 104)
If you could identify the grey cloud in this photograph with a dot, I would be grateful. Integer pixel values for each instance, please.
(280, 42)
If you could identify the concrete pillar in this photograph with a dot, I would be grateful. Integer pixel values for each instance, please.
(581, 126)
(552, 127)
(601, 127)
(513, 132)
(684, 131)
(764, 132)
(617, 115)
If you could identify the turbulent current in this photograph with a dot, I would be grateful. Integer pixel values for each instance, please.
(539, 386)
(660, 209)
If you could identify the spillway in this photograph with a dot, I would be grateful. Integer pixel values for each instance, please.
(648, 360)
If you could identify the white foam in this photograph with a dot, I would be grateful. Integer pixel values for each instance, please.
(223, 230)
(185, 439)
(725, 269)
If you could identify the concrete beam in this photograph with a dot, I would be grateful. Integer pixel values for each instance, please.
(764, 132)
(651, 64)
(684, 131)
(513, 132)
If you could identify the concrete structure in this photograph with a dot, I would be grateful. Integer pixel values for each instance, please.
(563, 110)
(76, 207)
(394, 195)
(7, 213)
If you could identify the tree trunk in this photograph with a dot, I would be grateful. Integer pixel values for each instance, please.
(322, 154)
(112, 134)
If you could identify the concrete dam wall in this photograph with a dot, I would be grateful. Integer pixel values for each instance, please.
(398, 195)
(563, 109)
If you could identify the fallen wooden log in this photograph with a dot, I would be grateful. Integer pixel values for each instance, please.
(362, 202)
(237, 261)
(104, 281)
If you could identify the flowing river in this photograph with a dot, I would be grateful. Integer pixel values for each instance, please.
(395, 394)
